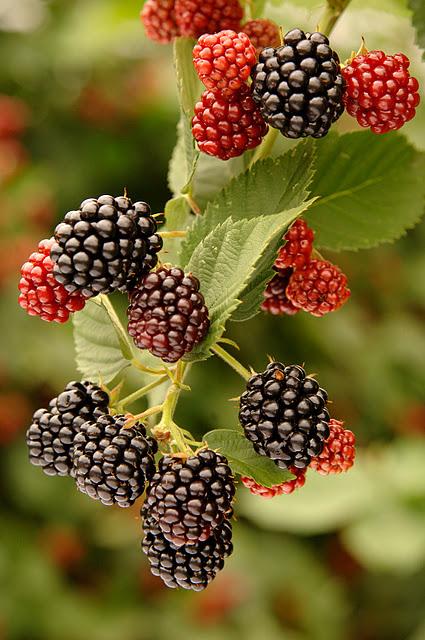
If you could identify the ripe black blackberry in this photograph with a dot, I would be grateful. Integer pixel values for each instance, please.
(283, 413)
(299, 86)
(106, 245)
(112, 463)
(51, 435)
(189, 567)
(190, 498)
(167, 314)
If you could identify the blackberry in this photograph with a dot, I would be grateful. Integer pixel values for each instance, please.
(283, 413)
(299, 86)
(51, 435)
(195, 17)
(167, 314)
(190, 498)
(319, 288)
(190, 567)
(159, 20)
(339, 452)
(112, 463)
(296, 252)
(262, 33)
(106, 245)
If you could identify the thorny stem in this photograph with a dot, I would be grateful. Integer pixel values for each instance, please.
(142, 391)
(331, 15)
(152, 371)
(119, 329)
(231, 361)
(145, 414)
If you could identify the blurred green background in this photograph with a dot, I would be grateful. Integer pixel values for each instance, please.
(95, 110)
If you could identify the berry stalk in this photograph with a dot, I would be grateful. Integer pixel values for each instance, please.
(143, 391)
(231, 361)
(331, 15)
(168, 408)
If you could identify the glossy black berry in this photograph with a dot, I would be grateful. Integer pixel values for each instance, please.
(51, 435)
(167, 314)
(190, 498)
(298, 86)
(112, 463)
(189, 567)
(106, 245)
(283, 413)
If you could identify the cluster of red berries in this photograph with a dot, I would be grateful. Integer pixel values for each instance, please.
(227, 121)
(301, 283)
(338, 456)
(165, 20)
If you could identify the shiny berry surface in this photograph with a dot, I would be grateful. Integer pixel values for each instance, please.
(262, 33)
(223, 61)
(191, 567)
(296, 252)
(339, 452)
(227, 128)
(196, 17)
(283, 413)
(159, 20)
(190, 498)
(285, 488)
(298, 86)
(380, 92)
(50, 437)
(319, 288)
(113, 462)
(40, 294)
(167, 314)
(276, 302)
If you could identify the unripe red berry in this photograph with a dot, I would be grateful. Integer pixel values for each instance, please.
(296, 252)
(226, 128)
(339, 452)
(262, 33)
(277, 489)
(319, 288)
(223, 61)
(40, 294)
(380, 92)
(195, 17)
(159, 20)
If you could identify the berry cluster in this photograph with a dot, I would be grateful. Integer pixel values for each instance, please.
(227, 122)
(315, 286)
(262, 33)
(285, 488)
(164, 20)
(186, 519)
(339, 451)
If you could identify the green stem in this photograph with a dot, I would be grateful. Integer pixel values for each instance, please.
(331, 15)
(124, 341)
(141, 367)
(169, 407)
(266, 147)
(231, 361)
(142, 392)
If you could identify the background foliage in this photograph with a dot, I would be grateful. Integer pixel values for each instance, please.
(345, 557)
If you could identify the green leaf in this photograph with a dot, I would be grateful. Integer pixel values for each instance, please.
(244, 460)
(178, 216)
(98, 347)
(372, 190)
(269, 187)
(225, 262)
(185, 155)
(418, 19)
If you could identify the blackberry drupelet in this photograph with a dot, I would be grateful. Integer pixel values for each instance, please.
(190, 567)
(167, 314)
(106, 245)
(299, 86)
(51, 435)
(190, 498)
(276, 302)
(283, 413)
(112, 462)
